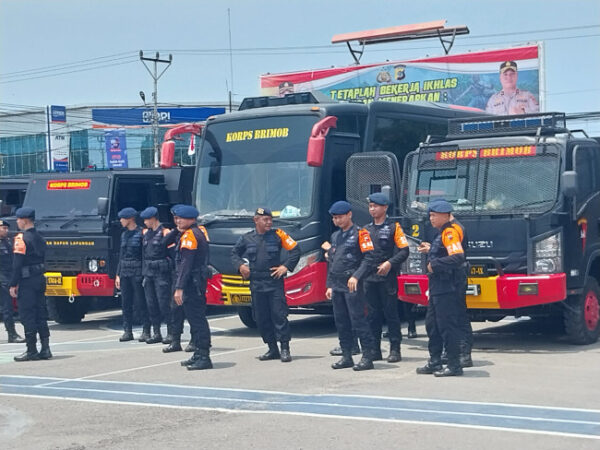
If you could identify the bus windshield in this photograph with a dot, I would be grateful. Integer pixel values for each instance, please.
(66, 197)
(485, 180)
(258, 162)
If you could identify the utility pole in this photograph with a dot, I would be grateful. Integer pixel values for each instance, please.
(155, 76)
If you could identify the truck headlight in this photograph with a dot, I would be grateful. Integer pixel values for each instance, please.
(93, 265)
(306, 260)
(414, 263)
(547, 255)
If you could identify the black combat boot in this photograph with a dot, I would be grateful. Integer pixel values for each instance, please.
(126, 336)
(412, 330)
(272, 353)
(31, 354)
(174, 346)
(45, 352)
(13, 336)
(190, 361)
(156, 337)
(285, 352)
(449, 372)
(465, 355)
(366, 362)
(344, 363)
(337, 351)
(202, 360)
(433, 365)
(191, 347)
(395, 355)
(145, 334)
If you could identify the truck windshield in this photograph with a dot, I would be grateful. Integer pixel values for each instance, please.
(66, 197)
(258, 162)
(484, 180)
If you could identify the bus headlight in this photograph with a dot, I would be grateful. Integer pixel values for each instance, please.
(414, 263)
(547, 255)
(93, 265)
(306, 260)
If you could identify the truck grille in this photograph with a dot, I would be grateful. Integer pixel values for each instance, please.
(232, 281)
(63, 265)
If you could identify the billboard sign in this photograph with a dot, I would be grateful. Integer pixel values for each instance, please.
(58, 114)
(143, 116)
(115, 142)
(477, 79)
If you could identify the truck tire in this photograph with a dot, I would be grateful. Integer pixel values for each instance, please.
(245, 314)
(61, 311)
(581, 315)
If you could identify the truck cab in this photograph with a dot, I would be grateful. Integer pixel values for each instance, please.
(77, 215)
(527, 191)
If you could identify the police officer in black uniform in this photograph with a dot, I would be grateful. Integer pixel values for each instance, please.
(129, 276)
(447, 275)
(156, 270)
(28, 284)
(191, 262)
(347, 268)
(381, 285)
(266, 271)
(6, 303)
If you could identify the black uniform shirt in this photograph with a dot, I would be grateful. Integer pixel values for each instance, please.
(130, 253)
(191, 257)
(28, 259)
(346, 257)
(155, 252)
(389, 244)
(263, 251)
(6, 259)
(447, 259)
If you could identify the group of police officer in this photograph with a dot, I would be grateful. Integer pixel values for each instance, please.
(162, 274)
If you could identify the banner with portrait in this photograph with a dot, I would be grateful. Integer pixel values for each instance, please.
(115, 142)
(469, 79)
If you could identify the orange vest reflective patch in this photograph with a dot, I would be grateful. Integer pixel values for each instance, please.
(19, 246)
(399, 237)
(188, 240)
(204, 232)
(451, 239)
(286, 241)
(364, 240)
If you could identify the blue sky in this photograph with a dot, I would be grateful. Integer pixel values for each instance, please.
(267, 36)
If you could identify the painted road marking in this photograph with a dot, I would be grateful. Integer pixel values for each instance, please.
(582, 423)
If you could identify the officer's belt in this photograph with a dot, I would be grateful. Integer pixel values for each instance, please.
(260, 274)
(345, 274)
(32, 270)
(131, 263)
(157, 263)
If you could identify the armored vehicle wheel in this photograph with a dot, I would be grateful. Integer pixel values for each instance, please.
(62, 311)
(245, 314)
(581, 315)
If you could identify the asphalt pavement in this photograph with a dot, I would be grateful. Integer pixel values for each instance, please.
(528, 388)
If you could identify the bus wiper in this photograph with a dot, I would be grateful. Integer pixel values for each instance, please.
(287, 222)
(223, 218)
(525, 205)
(76, 219)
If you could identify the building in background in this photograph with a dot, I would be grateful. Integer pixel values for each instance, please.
(78, 136)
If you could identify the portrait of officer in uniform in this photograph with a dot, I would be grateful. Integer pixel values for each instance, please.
(511, 100)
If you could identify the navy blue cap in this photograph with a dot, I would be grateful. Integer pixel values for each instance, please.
(185, 212)
(127, 213)
(439, 205)
(379, 198)
(174, 209)
(340, 207)
(4, 223)
(25, 213)
(263, 212)
(149, 212)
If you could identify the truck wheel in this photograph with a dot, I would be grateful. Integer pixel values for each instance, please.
(61, 311)
(245, 314)
(581, 315)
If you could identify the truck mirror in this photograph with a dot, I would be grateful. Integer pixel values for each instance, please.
(315, 151)
(569, 183)
(214, 173)
(102, 206)
(316, 143)
(167, 154)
